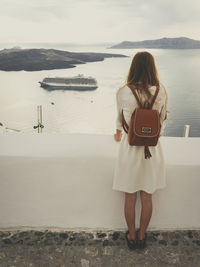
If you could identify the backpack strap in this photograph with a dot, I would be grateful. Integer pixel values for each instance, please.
(124, 123)
(147, 153)
(154, 97)
(136, 96)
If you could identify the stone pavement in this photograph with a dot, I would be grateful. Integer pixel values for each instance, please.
(47, 248)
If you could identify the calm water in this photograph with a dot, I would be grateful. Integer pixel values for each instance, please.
(95, 111)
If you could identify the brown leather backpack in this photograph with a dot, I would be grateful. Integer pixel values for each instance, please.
(144, 127)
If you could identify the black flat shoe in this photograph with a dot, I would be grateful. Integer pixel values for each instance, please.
(132, 244)
(141, 244)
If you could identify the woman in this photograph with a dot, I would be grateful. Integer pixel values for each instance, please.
(133, 172)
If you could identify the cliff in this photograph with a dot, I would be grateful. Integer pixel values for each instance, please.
(46, 59)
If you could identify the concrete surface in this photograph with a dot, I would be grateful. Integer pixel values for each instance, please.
(65, 180)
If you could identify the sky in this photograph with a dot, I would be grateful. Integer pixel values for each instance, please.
(97, 21)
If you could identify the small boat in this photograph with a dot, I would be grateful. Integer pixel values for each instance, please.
(79, 83)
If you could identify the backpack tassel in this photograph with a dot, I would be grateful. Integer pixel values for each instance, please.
(147, 152)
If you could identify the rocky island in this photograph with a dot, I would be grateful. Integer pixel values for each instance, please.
(164, 43)
(46, 59)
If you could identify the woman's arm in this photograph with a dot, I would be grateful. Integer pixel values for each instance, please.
(164, 113)
(118, 135)
(164, 109)
(119, 127)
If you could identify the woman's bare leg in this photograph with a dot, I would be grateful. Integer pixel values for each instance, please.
(146, 212)
(129, 212)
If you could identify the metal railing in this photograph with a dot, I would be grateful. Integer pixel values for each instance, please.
(40, 126)
(186, 130)
(39, 117)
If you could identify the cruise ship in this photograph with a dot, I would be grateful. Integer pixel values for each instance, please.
(79, 82)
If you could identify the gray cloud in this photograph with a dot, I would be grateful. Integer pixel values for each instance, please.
(98, 20)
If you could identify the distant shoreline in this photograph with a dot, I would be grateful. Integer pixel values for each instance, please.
(164, 43)
(17, 59)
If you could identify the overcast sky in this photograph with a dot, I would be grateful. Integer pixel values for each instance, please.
(93, 21)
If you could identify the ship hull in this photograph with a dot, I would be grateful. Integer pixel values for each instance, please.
(67, 87)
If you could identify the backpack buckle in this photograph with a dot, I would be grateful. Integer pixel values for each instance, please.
(146, 129)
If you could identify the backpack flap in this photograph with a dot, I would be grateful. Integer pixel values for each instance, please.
(146, 122)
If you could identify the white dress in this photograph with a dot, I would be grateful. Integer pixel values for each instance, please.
(132, 171)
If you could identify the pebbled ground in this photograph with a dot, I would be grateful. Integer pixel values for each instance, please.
(97, 248)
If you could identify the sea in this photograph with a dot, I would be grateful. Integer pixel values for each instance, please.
(95, 111)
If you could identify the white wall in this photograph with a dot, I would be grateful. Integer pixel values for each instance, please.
(65, 180)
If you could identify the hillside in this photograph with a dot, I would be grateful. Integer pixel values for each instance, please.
(164, 43)
(46, 59)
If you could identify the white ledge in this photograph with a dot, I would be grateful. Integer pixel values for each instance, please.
(65, 180)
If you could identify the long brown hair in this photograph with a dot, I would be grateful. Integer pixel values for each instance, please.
(143, 71)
